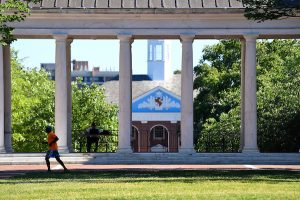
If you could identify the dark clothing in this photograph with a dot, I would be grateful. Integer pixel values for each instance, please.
(92, 137)
(52, 154)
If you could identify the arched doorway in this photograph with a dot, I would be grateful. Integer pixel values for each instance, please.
(134, 139)
(159, 139)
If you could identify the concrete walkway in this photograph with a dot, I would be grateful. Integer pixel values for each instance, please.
(7, 171)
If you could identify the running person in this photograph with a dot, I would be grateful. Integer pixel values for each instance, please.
(53, 149)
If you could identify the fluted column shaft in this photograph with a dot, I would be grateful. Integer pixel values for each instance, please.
(2, 147)
(7, 98)
(249, 99)
(125, 94)
(187, 129)
(62, 92)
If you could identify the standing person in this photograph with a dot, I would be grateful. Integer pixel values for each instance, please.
(53, 149)
(92, 137)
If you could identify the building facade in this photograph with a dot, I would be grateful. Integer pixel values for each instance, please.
(156, 121)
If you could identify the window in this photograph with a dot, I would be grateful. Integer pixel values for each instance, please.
(158, 52)
(86, 79)
(150, 52)
(98, 79)
(134, 132)
(159, 132)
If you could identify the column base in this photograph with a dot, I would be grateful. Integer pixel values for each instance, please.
(250, 150)
(2, 150)
(9, 150)
(63, 150)
(124, 150)
(187, 151)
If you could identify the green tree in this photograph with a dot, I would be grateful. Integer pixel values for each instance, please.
(89, 106)
(12, 11)
(217, 106)
(216, 75)
(33, 109)
(261, 10)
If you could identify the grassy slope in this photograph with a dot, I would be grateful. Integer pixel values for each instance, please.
(154, 185)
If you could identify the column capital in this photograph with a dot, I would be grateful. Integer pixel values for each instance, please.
(69, 40)
(250, 37)
(60, 37)
(187, 37)
(125, 37)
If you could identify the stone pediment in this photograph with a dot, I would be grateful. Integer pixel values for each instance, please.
(157, 100)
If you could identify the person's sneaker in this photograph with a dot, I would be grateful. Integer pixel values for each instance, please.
(66, 170)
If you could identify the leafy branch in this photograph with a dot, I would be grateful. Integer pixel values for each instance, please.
(12, 11)
(262, 10)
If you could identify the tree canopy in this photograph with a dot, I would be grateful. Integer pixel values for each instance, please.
(33, 98)
(12, 11)
(261, 10)
(217, 105)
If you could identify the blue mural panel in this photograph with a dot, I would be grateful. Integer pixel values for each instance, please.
(156, 101)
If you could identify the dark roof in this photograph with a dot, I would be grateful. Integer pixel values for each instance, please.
(141, 87)
(135, 77)
(133, 4)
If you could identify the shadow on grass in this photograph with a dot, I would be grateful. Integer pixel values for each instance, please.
(273, 177)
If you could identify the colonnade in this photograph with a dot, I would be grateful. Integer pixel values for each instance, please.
(63, 97)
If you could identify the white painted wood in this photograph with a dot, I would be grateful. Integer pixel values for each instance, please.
(156, 117)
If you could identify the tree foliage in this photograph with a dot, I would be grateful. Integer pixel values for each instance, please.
(32, 107)
(217, 106)
(89, 106)
(12, 11)
(33, 97)
(261, 10)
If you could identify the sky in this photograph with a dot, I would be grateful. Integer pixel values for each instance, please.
(100, 53)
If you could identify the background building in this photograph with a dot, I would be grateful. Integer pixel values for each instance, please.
(81, 69)
(156, 103)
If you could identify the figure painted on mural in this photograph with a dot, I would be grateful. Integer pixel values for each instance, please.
(53, 149)
(92, 137)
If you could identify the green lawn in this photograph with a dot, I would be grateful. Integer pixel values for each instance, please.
(153, 185)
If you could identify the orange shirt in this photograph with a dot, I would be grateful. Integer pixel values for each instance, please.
(51, 137)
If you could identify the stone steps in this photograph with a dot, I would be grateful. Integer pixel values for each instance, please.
(156, 158)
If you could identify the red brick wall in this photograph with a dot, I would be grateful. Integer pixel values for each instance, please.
(144, 140)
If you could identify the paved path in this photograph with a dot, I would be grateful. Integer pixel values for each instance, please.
(7, 171)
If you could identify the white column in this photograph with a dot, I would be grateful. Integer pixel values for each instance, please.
(249, 99)
(61, 92)
(187, 129)
(69, 93)
(2, 147)
(242, 135)
(125, 93)
(7, 99)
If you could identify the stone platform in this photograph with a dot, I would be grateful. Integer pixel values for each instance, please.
(156, 158)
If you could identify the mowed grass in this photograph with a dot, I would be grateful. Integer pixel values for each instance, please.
(153, 185)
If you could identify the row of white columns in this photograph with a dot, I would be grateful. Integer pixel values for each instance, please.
(63, 97)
